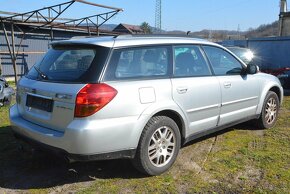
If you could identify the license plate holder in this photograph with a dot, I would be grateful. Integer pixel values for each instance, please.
(39, 103)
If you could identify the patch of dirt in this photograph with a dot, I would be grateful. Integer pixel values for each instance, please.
(250, 176)
(259, 133)
(193, 158)
(256, 144)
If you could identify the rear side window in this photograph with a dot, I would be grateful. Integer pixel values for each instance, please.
(138, 62)
(69, 64)
(223, 63)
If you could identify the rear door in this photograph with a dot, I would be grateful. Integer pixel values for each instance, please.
(240, 93)
(194, 88)
(141, 76)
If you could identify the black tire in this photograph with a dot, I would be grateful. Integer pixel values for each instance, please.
(155, 126)
(264, 121)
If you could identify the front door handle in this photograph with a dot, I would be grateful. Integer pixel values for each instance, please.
(227, 84)
(182, 90)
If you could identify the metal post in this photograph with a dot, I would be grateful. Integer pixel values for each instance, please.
(13, 57)
(7, 39)
(51, 34)
(10, 50)
(0, 66)
(98, 31)
(88, 27)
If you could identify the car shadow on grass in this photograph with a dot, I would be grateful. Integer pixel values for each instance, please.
(243, 126)
(286, 92)
(22, 167)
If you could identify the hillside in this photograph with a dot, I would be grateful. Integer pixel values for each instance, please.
(264, 30)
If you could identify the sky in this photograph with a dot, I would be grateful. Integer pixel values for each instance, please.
(186, 15)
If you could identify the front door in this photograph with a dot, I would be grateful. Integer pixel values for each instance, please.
(240, 93)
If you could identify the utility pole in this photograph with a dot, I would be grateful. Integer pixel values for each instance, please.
(239, 31)
(158, 15)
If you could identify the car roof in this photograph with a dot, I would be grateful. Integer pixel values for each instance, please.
(129, 40)
(236, 47)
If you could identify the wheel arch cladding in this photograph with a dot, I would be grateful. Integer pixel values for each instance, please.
(176, 118)
(270, 87)
(277, 91)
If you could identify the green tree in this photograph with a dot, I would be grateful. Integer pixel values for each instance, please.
(146, 28)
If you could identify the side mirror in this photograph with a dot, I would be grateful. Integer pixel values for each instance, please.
(252, 69)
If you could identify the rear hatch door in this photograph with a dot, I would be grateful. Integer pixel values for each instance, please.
(47, 104)
(46, 95)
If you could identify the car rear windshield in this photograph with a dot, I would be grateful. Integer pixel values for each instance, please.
(76, 63)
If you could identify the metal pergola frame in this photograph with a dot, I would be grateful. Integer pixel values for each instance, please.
(48, 18)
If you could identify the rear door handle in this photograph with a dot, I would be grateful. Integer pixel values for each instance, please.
(182, 90)
(227, 84)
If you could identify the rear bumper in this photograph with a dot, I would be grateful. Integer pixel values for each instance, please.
(128, 154)
(102, 139)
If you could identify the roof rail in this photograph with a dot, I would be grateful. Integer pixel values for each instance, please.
(155, 35)
(80, 37)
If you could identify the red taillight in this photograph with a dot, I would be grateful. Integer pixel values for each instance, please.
(92, 98)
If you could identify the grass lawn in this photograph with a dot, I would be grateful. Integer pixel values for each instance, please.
(237, 160)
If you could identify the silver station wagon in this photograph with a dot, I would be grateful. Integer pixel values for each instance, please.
(138, 97)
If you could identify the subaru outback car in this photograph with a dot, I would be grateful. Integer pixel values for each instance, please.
(138, 97)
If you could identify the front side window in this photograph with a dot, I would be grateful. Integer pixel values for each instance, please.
(189, 61)
(138, 62)
(243, 53)
(223, 63)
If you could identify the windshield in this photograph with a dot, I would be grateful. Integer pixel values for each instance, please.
(69, 64)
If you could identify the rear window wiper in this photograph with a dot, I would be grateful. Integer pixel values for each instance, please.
(42, 75)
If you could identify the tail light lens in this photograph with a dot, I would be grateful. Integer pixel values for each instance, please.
(92, 98)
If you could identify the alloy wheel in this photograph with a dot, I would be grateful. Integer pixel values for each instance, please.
(271, 111)
(161, 146)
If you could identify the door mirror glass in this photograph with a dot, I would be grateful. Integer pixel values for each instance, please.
(252, 69)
